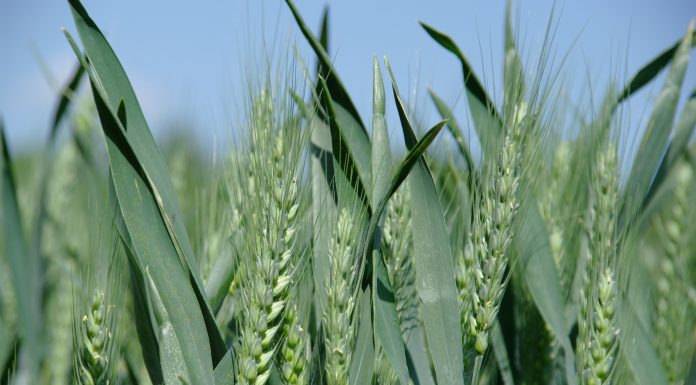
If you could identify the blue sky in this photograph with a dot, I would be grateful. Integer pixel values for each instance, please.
(187, 62)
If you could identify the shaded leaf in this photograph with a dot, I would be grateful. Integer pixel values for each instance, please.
(224, 371)
(335, 86)
(24, 267)
(118, 94)
(341, 147)
(536, 262)
(386, 326)
(501, 355)
(455, 130)
(362, 366)
(636, 347)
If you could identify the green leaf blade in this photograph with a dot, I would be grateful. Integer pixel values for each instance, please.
(362, 366)
(109, 76)
(434, 266)
(654, 143)
(387, 329)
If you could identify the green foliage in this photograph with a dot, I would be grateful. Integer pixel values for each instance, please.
(315, 254)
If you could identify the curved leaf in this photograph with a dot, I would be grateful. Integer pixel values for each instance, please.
(387, 328)
(338, 91)
(654, 142)
(25, 270)
(341, 147)
(454, 129)
(636, 347)
(110, 79)
(677, 146)
(650, 71)
(486, 119)
(434, 266)
(362, 366)
(541, 276)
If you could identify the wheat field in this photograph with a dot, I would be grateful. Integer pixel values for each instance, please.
(326, 249)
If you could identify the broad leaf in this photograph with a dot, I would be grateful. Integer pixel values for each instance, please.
(540, 274)
(362, 366)
(110, 78)
(635, 345)
(387, 329)
(434, 266)
(341, 141)
(654, 142)
(25, 270)
(455, 130)
(335, 86)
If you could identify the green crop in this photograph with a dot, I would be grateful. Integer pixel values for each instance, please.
(315, 254)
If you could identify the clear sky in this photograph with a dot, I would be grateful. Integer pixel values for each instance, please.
(186, 61)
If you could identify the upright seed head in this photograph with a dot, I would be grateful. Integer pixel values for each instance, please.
(597, 333)
(490, 239)
(295, 352)
(96, 340)
(674, 317)
(398, 242)
(339, 333)
(269, 277)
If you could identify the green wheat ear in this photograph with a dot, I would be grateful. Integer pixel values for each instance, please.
(339, 331)
(598, 334)
(270, 217)
(295, 351)
(481, 267)
(674, 317)
(96, 340)
(398, 242)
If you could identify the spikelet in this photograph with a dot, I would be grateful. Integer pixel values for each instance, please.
(295, 350)
(674, 317)
(268, 276)
(58, 245)
(339, 333)
(481, 266)
(384, 372)
(398, 242)
(95, 342)
(60, 334)
(552, 208)
(597, 332)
